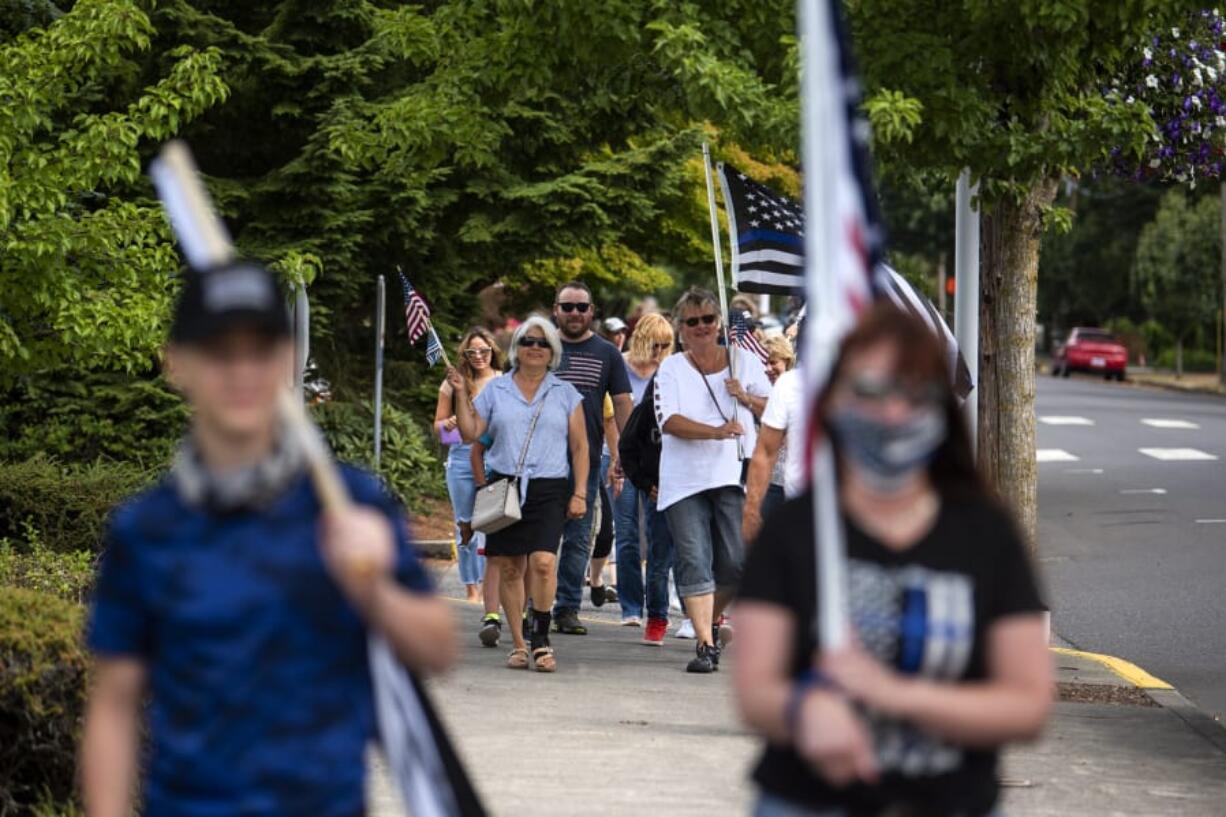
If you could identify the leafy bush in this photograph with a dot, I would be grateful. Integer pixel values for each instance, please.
(33, 566)
(82, 416)
(43, 670)
(408, 463)
(66, 504)
(1194, 360)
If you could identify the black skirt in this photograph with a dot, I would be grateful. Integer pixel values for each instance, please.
(540, 529)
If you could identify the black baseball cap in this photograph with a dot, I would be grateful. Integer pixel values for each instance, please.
(240, 294)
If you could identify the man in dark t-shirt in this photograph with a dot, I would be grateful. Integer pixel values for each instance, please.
(593, 366)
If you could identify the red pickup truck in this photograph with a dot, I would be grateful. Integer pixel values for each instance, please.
(1090, 350)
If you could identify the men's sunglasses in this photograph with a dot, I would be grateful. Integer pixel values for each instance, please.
(875, 389)
(580, 307)
(539, 343)
(707, 319)
(476, 353)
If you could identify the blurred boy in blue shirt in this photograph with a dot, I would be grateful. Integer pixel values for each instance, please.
(241, 610)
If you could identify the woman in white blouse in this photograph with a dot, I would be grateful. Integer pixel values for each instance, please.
(706, 399)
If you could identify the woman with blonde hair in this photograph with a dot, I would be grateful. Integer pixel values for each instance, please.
(651, 342)
(480, 362)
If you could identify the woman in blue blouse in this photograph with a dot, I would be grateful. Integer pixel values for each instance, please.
(550, 490)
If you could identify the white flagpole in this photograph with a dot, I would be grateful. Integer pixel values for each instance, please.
(719, 276)
(821, 235)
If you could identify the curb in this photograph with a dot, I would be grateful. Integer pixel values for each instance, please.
(1160, 692)
(1171, 387)
(435, 548)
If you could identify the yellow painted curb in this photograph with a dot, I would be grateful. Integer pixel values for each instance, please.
(1127, 670)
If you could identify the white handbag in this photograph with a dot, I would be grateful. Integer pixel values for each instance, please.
(496, 505)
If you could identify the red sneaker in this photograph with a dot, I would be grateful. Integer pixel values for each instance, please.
(657, 628)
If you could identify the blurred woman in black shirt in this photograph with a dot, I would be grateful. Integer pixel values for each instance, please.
(949, 657)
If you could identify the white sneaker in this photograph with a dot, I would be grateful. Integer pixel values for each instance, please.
(686, 630)
(632, 621)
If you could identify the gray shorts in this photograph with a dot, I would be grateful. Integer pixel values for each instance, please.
(706, 530)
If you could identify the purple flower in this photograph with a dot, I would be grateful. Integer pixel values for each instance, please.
(1147, 62)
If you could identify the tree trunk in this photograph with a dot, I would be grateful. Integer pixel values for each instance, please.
(1009, 266)
(1179, 357)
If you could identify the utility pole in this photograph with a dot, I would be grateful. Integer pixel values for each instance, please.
(966, 300)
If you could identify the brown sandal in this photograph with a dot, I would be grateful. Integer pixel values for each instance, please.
(518, 659)
(543, 660)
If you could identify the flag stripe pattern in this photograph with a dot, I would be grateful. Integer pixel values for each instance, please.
(743, 336)
(769, 256)
(416, 313)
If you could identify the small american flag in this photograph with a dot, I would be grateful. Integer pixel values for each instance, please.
(416, 315)
(434, 351)
(743, 336)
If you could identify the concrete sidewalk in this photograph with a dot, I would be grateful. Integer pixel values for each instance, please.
(622, 729)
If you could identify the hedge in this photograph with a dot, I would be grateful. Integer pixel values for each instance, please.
(66, 504)
(43, 678)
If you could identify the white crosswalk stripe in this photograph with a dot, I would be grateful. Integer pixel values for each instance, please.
(1177, 454)
(1054, 455)
(1057, 420)
(1163, 422)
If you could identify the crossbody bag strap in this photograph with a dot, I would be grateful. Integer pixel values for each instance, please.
(536, 415)
(707, 383)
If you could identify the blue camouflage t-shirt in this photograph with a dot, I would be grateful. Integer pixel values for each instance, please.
(261, 702)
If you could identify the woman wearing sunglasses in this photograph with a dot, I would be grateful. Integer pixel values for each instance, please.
(537, 423)
(706, 415)
(948, 658)
(480, 362)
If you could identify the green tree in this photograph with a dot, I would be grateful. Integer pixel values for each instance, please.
(1177, 266)
(85, 272)
(1014, 92)
(1086, 274)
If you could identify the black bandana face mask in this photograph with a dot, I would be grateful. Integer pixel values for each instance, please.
(888, 454)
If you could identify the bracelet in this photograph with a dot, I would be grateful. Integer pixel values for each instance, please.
(805, 683)
(579, 496)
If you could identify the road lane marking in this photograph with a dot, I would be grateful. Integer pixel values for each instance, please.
(1127, 670)
(1211, 521)
(1083, 470)
(1055, 420)
(1054, 455)
(1177, 454)
(1159, 422)
(1143, 491)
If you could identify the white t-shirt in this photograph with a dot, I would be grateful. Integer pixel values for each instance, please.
(784, 413)
(688, 467)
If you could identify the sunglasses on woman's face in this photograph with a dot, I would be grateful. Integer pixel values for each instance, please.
(706, 319)
(875, 390)
(529, 343)
(659, 347)
(580, 307)
(476, 353)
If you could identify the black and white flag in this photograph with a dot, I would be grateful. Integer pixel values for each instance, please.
(768, 255)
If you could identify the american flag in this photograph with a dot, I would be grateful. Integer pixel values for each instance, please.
(416, 313)
(741, 335)
(842, 249)
(768, 255)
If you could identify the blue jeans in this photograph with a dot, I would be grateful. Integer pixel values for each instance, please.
(706, 530)
(629, 558)
(773, 498)
(463, 492)
(576, 549)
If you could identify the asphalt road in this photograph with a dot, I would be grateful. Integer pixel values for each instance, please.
(1133, 542)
